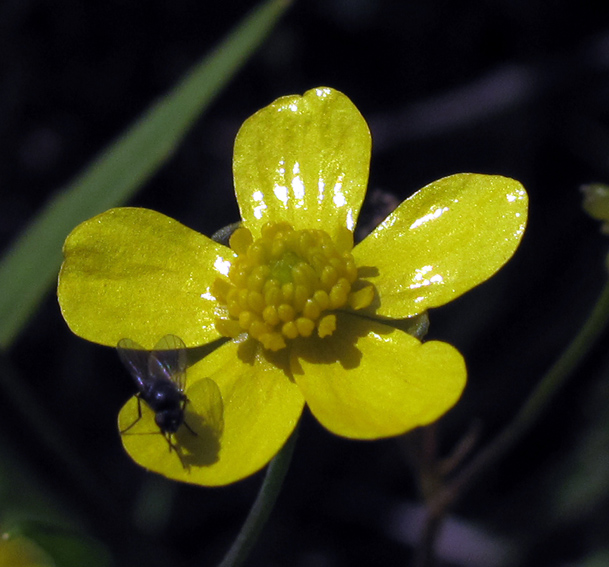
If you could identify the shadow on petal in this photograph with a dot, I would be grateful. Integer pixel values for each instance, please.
(250, 352)
(202, 447)
(197, 442)
(341, 346)
(364, 272)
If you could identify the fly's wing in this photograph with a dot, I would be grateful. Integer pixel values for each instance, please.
(168, 360)
(135, 358)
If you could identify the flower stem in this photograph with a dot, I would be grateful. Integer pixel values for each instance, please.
(262, 507)
(539, 399)
(553, 380)
(439, 504)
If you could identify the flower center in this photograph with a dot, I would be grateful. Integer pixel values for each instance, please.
(287, 283)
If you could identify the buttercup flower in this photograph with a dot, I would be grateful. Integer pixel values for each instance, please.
(306, 316)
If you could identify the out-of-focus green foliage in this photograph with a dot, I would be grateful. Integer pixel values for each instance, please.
(65, 548)
(31, 264)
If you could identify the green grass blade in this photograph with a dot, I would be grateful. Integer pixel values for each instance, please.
(30, 266)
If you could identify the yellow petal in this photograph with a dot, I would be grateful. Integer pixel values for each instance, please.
(444, 240)
(355, 388)
(135, 273)
(304, 160)
(260, 408)
(146, 444)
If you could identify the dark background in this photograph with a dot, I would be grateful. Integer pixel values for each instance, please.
(507, 87)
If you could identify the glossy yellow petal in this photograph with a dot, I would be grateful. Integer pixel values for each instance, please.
(371, 381)
(447, 238)
(135, 273)
(146, 444)
(304, 160)
(260, 408)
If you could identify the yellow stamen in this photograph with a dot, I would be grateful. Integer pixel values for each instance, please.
(281, 286)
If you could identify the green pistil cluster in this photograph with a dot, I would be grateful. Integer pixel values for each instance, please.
(287, 284)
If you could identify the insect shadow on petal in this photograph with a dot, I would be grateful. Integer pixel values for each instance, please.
(160, 377)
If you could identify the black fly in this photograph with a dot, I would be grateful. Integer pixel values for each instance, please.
(160, 376)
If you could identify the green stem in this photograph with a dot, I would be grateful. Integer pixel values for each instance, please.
(547, 388)
(539, 399)
(261, 510)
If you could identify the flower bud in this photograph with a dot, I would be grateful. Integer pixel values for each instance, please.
(596, 203)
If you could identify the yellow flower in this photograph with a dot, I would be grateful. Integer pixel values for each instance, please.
(309, 317)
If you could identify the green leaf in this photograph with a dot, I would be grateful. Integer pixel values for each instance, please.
(19, 551)
(30, 266)
(66, 547)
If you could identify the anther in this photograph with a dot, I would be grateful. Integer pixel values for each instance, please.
(286, 284)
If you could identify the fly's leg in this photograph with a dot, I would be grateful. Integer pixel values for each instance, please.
(185, 422)
(175, 448)
(190, 429)
(139, 414)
